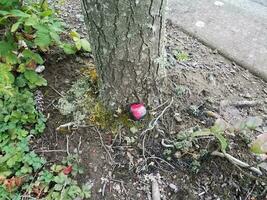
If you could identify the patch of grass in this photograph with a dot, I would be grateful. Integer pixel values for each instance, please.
(182, 56)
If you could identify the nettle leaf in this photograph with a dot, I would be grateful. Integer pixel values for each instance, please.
(6, 77)
(34, 78)
(86, 45)
(43, 39)
(31, 55)
(259, 146)
(6, 47)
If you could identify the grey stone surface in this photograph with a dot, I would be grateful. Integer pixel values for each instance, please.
(236, 28)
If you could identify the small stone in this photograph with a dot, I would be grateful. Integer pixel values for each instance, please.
(178, 154)
(173, 187)
(177, 117)
(200, 24)
(133, 129)
(218, 3)
(95, 169)
(247, 95)
(40, 68)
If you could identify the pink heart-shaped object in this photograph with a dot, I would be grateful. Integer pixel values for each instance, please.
(138, 110)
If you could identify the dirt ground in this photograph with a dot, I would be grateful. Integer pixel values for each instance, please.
(204, 81)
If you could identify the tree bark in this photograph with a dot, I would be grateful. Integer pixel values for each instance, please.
(127, 38)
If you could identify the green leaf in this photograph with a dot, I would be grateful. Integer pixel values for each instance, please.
(32, 21)
(253, 122)
(55, 37)
(68, 48)
(222, 140)
(15, 27)
(18, 13)
(74, 34)
(3, 12)
(78, 44)
(31, 55)
(47, 13)
(259, 146)
(34, 78)
(6, 77)
(43, 39)
(86, 45)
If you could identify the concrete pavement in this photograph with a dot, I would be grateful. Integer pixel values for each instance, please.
(236, 28)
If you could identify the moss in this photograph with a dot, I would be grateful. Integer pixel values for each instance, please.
(84, 106)
(104, 118)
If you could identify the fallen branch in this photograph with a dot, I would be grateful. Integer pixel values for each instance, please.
(236, 161)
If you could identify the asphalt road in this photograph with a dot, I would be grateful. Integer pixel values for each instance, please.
(236, 28)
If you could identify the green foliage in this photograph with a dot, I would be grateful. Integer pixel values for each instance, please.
(259, 145)
(30, 30)
(181, 56)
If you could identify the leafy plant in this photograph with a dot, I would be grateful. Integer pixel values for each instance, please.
(29, 30)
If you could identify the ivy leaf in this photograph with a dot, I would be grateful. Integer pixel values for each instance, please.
(34, 78)
(86, 45)
(259, 146)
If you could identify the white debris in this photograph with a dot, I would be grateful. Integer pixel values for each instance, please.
(173, 187)
(218, 3)
(200, 24)
(40, 68)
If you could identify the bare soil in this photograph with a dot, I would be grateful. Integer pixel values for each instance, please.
(204, 81)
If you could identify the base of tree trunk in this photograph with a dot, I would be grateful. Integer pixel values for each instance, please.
(128, 42)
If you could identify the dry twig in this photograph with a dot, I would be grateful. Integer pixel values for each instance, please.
(236, 161)
(104, 146)
(152, 125)
(155, 189)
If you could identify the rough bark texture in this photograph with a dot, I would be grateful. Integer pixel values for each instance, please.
(127, 37)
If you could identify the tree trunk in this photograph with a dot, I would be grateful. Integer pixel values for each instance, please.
(127, 38)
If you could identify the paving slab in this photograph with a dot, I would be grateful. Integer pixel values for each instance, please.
(236, 28)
